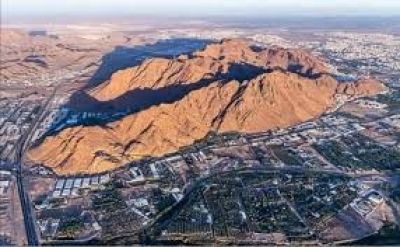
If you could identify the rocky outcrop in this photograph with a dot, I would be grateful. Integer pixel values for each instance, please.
(230, 59)
(363, 87)
(239, 88)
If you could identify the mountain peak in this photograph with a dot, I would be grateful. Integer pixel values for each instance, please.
(229, 86)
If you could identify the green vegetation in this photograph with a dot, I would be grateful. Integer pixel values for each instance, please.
(392, 100)
(70, 228)
(268, 213)
(163, 200)
(223, 200)
(395, 193)
(287, 156)
(337, 153)
(56, 202)
(238, 203)
(114, 216)
(262, 156)
(359, 152)
(121, 223)
(212, 138)
(372, 154)
(320, 198)
(108, 200)
(346, 115)
(40, 199)
(193, 219)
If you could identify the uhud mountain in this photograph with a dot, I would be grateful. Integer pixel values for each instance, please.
(229, 86)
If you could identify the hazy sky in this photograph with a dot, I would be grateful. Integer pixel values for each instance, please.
(12, 9)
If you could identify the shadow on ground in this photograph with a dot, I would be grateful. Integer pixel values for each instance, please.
(124, 57)
(141, 99)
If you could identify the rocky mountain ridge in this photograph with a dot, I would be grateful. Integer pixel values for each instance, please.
(229, 86)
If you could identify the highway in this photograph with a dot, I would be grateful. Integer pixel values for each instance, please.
(26, 206)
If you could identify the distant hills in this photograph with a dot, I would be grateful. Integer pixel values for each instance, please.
(31, 55)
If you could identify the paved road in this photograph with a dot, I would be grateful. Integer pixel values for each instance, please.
(24, 197)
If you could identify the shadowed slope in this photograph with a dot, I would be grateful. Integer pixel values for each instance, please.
(227, 87)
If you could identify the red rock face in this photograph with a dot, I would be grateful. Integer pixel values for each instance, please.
(216, 59)
(363, 87)
(227, 87)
